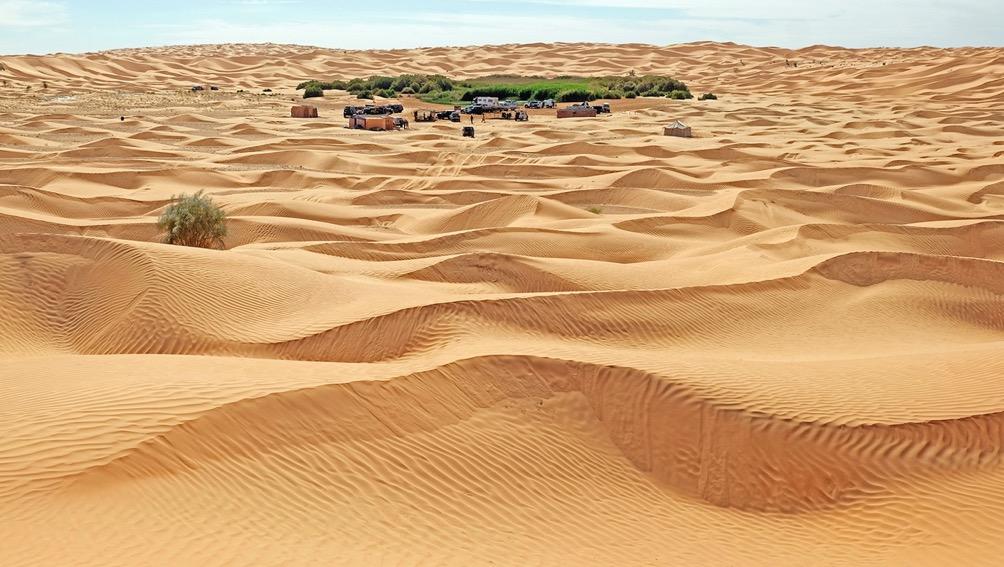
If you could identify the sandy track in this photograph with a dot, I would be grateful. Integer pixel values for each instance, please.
(563, 342)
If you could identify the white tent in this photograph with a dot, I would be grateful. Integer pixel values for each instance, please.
(677, 128)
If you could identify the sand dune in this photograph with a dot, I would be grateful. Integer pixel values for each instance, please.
(565, 342)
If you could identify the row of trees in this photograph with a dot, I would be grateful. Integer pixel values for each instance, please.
(562, 89)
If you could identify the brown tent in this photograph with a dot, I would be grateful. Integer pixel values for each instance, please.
(304, 111)
(677, 128)
(372, 122)
(576, 112)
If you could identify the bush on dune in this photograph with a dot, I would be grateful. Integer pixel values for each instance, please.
(193, 220)
(312, 91)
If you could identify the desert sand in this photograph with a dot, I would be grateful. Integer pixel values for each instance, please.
(566, 342)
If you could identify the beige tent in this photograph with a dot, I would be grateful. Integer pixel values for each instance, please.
(677, 128)
(372, 122)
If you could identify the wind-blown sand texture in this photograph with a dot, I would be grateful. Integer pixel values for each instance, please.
(778, 343)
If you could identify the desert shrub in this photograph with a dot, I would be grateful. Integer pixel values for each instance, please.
(365, 95)
(407, 91)
(312, 91)
(680, 95)
(193, 220)
(324, 85)
(630, 94)
(708, 96)
(595, 210)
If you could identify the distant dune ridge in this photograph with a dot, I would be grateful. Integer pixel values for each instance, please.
(573, 342)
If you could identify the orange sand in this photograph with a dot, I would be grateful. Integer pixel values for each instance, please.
(778, 343)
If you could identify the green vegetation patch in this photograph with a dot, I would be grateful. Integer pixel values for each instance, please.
(443, 90)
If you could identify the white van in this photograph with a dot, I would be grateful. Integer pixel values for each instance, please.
(486, 101)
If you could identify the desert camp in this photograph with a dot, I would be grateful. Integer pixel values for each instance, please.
(622, 284)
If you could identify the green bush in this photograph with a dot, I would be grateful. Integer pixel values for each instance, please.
(708, 96)
(680, 95)
(577, 95)
(313, 91)
(365, 95)
(380, 82)
(407, 91)
(630, 94)
(193, 220)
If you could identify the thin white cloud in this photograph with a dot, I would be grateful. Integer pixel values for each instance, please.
(32, 14)
(724, 20)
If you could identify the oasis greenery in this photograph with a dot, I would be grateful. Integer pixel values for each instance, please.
(443, 90)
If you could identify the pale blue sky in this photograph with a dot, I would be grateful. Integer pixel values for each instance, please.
(28, 26)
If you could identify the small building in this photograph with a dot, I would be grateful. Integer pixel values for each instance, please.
(577, 111)
(303, 111)
(375, 122)
(678, 129)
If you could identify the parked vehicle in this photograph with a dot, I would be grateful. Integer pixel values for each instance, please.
(455, 116)
(534, 104)
(474, 109)
(489, 101)
(396, 107)
(549, 103)
(522, 116)
(376, 110)
(400, 123)
(445, 114)
(602, 108)
(468, 131)
(508, 105)
(350, 111)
